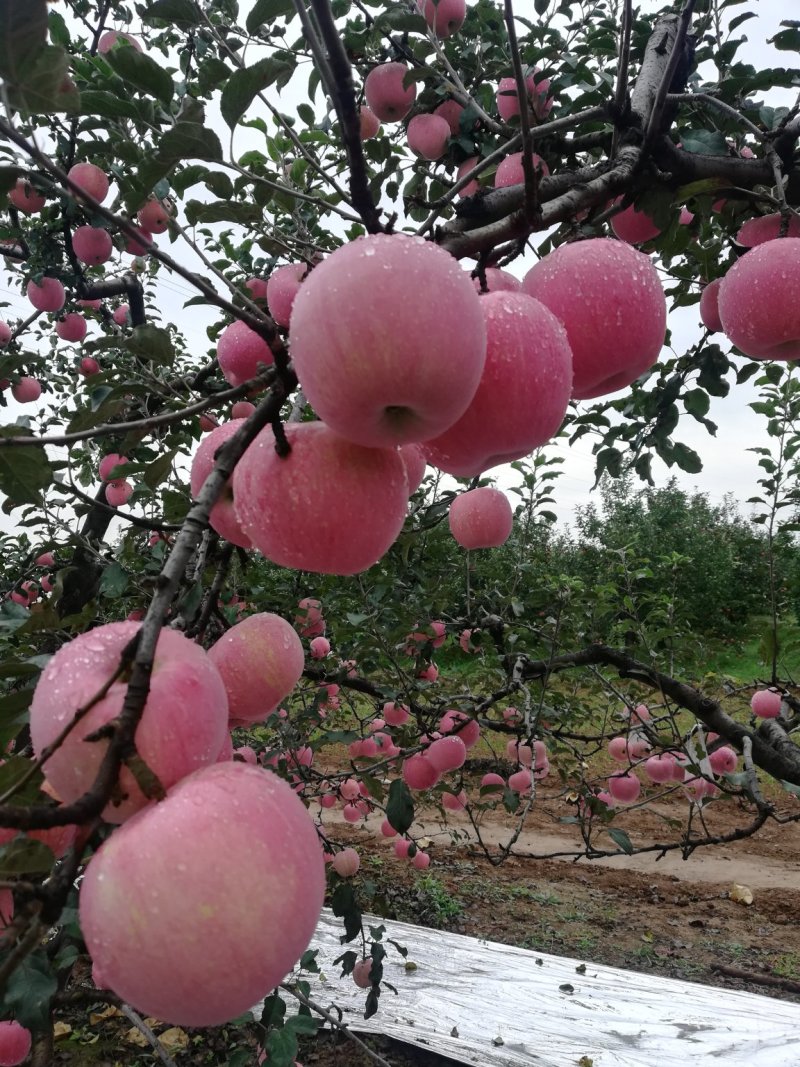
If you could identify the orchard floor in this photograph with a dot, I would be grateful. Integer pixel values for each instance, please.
(674, 920)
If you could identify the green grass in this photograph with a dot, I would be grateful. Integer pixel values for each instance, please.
(743, 659)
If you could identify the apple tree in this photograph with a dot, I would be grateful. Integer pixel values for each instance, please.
(413, 242)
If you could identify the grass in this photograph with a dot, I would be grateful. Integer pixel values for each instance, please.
(743, 659)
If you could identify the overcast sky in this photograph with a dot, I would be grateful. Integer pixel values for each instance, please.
(728, 466)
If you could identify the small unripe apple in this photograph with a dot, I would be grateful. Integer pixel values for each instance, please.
(72, 327)
(481, 518)
(386, 96)
(369, 123)
(241, 353)
(154, 216)
(428, 136)
(26, 390)
(25, 198)
(49, 296)
(282, 288)
(91, 179)
(92, 245)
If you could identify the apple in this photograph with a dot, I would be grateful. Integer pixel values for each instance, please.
(419, 773)
(491, 783)
(498, 281)
(320, 647)
(464, 168)
(122, 315)
(92, 245)
(633, 226)
(118, 492)
(661, 768)
(421, 860)
(511, 172)
(521, 781)
(481, 518)
(26, 198)
(451, 111)
(257, 288)
(709, 306)
(71, 327)
(137, 246)
(154, 216)
(723, 760)
(112, 37)
(376, 332)
(108, 465)
(361, 972)
(242, 409)
(522, 396)
(90, 179)
(446, 753)
(241, 353)
(609, 298)
(346, 862)
(624, 788)
(766, 703)
(758, 304)
(618, 749)
(49, 296)
(6, 333)
(507, 98)
(444, 17)
(92, 305)
(26, 390)
(207, 423)
(395, 714)
(282, 288)
(766, 228)
(309, 620)
(369, 123)
(428, 136)
(387, 97)
(330, 506)
(182, 728)
(199, 906)
(15, 1043)
(415, 462)
(260, 661)
(46, 559)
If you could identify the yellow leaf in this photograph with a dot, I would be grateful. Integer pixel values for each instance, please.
(174, 1039)
(136, 1037)
(107, 1013)
(61, 1030)
(741, 894)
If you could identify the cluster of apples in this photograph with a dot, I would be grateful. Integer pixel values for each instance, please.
(429, 371)
(173, 935)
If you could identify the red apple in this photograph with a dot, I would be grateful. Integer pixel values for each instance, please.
(241, 353)
(71, 327)
(385, 93)
(92, 245)
(154, 216)
(369, 123)
(709, 306)
(118, 492)
(451, 111)
(49, 296)
(481, 518)
(766, 703)
(511, 172)
(25, 198)
(624, 788)
(428, 136)
(758, 304)
(15, 1043)
(464, 168)
(282, 288)
(766, 228)
(633, 226)
(5, 333)
(498, 281)
(91, 179)
(445, 17)
(26, 390)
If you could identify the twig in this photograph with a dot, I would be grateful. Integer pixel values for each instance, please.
(531, 207)
(621, 90)
(145, 1031)
(336, 1023)
(756, 979)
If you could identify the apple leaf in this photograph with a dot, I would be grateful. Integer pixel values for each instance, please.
(31, 986)
(179, 12)
(264, 11)
(400, 806)
(244, 84)
(619, 837)
(23, 33)
(142, 72)
(23, 855)
(24, 471)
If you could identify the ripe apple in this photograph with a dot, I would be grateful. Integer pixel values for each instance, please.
(369, 123)
(624, 788)
(138, 247)
(451, 111)
(464, 168)
(709, 306)
(415, 461)
(154, 216)
(92, 305)
(618, 749)
(122, 315)
(320, 647)
(15, 1043)
(183, 726)
(609, 298)
(633, 226)
(492, 783)
(241, 352)
(419, 773)
(26, 390)
(361, 971)
(242, 409)
(330, 506)
(510, 170)
(446, 753)
(661, 768)
(481, 518)
(71, 327)
(428, 136)
(395, 714)
(309, 620)
(445, 17)
(758, 304)
(92, 245)
(766, 228)
(260, 661)
(523, 393)
(376, 332)
(118, 492)
(257, 288)
(723, 760)
(25, 198)
(282, 288)
(421, 860)
(108, 464)
(521, 781)
(507, 98)
(91, 179)
(346, 862)
(5, 333)
(49, 296)
(385, 93)
(766, 703)
(498, 281)
(199, 906)
(113, 37)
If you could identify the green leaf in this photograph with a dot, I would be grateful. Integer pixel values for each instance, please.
(23, 33)
(114, 581)
(38, 90)
(264, 11)
(180, 12)
(687, 459)
(281, 1048)
(175, 505)
(344, 906)
(107, 105)
(400, 806)
(244, 84)
(302, 1025)
(697, 402)
(30, 989)
(151, 343)
(710, 142)
(24, 471)
(23, 855)
(223, 211)
(186, 140)
(787, 40)
(142, 72)
(619, 837)
(16, 767)
(158, 470)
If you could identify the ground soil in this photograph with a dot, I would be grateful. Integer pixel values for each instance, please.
(665, 916)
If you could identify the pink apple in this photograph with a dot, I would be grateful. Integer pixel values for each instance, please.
(498, 281)
(511, 172)
(320, 647)
(447, 753)
(618, 749)
(223, 516)
(282, 288)
(523, 393)
(361, 972)
(5, 333)
(45, 560)
(108, 465)
(624, 788)
(521, 781)
(464, 168)
(112, 37)
(766, 228)
(346, 862)
(492, 783)
(758, 304)
(633, 226)
(93, 305)
(90, 179)
(257, 288)
(137, 246)
(260, 660)
(428, 136)
(709, 306)
(26, 390)
(25, 198)
(481, 518)
(609, 298)
(766, 703)
(387, 830)
(415, 461)
(49, 296)
(463, 725)
(207, 423)
(395, 714)
(419, 773)
(242, 409)
(246, 753)
(118, 492)
(88, 366)
(182, 728)
(723, 760)
(445, 17)
(71, 327)
(224, 877)
(330, 506)
(661, 768)
(421, 860)
(454, 801)
(92, 245)
(507, 98)
(375, 334)
(686, 217)
(15, 1043)
(122, 315)
(309, 620)
(451, 111)
(369, 123)
(241, 352)
(387, 97)
(154, 216)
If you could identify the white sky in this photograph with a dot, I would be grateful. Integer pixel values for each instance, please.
(728, 466)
